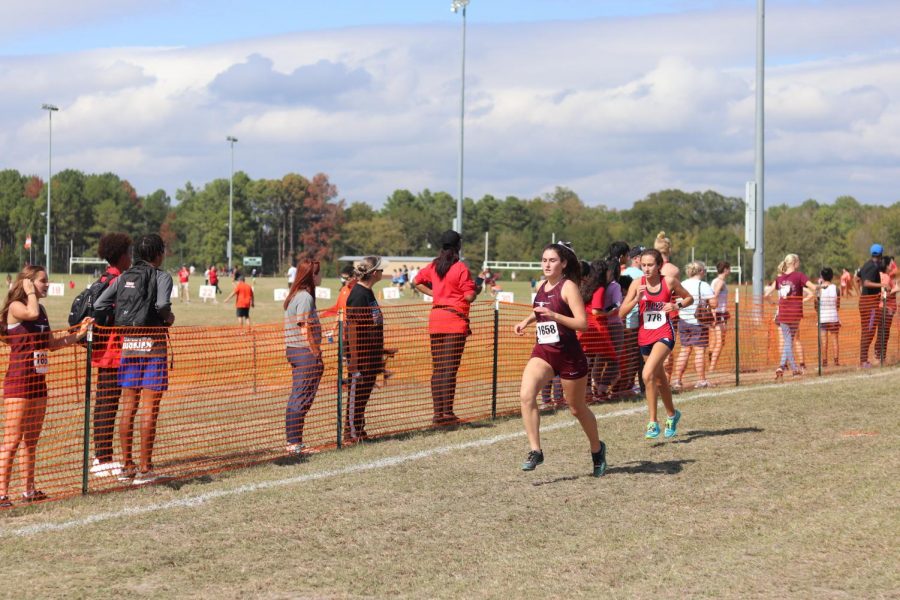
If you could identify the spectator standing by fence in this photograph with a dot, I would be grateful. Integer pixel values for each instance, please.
(115, 249)
(448, 282)
(888, 306)
(365, 348)
(828, 304)
(694, 334)
(793, 289)
(656, 296)
(303, 342)
(142, 300)
(559, 312)
(720, 327)
(25, 328)
(596, 341)
(870, 291)
(631, 358)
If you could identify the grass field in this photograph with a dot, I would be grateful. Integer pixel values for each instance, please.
(770, 491)
(267, 310)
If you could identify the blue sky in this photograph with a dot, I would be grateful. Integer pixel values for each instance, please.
(612, 99)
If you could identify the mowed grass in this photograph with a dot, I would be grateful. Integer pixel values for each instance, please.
(268, 310)
(773, 491)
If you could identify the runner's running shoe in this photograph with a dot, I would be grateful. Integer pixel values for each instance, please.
(672, 424)
(599, 459)
(652, 430)
(535, 457)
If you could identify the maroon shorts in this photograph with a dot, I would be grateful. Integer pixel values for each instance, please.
(830, 327)
(568, 364)
(30, 387)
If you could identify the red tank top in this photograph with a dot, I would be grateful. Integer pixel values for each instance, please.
(654, 324)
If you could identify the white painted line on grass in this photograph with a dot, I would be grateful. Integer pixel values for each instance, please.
(382, 463)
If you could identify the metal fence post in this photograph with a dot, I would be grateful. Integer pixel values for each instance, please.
(496, 349)
(737, 336)
(86, 455)
(340, 375)
(819, 327)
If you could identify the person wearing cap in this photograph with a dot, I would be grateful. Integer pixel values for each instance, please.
(365, 347)
(447, 280)
(869, 294)
(887, 306)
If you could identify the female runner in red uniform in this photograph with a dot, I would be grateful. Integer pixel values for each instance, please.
(559, 312)
(24, 326)
(654, 293)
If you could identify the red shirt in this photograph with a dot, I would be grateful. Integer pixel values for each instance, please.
(450, 312)
(213, 276)
(243, 295)
(596, 339)
(655, 325)
(183, 275)
(108, 354)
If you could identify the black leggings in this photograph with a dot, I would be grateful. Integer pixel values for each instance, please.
(446, 354)
(106, 404)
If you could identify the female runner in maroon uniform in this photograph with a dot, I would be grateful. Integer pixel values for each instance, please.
(654, 293)
(24, 326)
(559, 312)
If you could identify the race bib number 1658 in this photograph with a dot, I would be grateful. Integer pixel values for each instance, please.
(547, 333)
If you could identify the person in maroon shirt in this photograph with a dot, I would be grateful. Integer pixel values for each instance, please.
(790, 285)
(25, 328)
(558, 313)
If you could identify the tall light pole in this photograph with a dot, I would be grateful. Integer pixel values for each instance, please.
(50, 108)
(759, 249)
(232, 140)
(456, 6)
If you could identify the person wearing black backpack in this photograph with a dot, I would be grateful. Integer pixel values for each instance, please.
(142, 300)
(114, 248)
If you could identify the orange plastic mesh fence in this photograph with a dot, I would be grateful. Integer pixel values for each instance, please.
(237, 396)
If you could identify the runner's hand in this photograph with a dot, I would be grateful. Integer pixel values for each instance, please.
(28, 286)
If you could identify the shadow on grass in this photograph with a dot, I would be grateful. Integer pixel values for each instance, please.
(641, 467)
(696, 434)
(177, 484)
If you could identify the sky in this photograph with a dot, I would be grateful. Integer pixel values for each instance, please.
(612, 99)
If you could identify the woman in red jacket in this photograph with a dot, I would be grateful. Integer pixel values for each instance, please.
(448, 282)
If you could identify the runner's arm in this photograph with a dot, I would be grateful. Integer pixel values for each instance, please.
(631, 299)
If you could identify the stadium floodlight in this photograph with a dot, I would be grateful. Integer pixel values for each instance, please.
(457, 6)
(50, 108)
(231, 139)
(760, 167)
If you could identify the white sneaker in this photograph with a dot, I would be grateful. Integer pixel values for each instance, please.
(107, 469)
(702, 384)
(145, 478)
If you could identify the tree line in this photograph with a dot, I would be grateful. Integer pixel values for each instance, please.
(279, 218)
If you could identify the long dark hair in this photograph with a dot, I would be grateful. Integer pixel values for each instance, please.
(305, 279)
(446, 259)
(17, 293)
(572, 270)
(593, 280)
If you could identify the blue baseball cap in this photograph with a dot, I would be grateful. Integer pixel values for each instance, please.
(876, 250)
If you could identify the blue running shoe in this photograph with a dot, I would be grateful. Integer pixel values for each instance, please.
(652, 430)
(672, 424)
(535, 457)
(599, 459)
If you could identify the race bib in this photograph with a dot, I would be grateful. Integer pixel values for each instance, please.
(654, 319)
(137, 346)
(41, 361)
(547, 333)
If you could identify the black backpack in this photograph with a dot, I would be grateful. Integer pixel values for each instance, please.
(136, 297)
(83, 304)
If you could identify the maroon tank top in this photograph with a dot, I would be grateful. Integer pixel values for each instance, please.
(28, 358)
(552, 299)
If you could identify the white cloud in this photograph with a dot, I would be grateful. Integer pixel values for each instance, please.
(613, 109)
